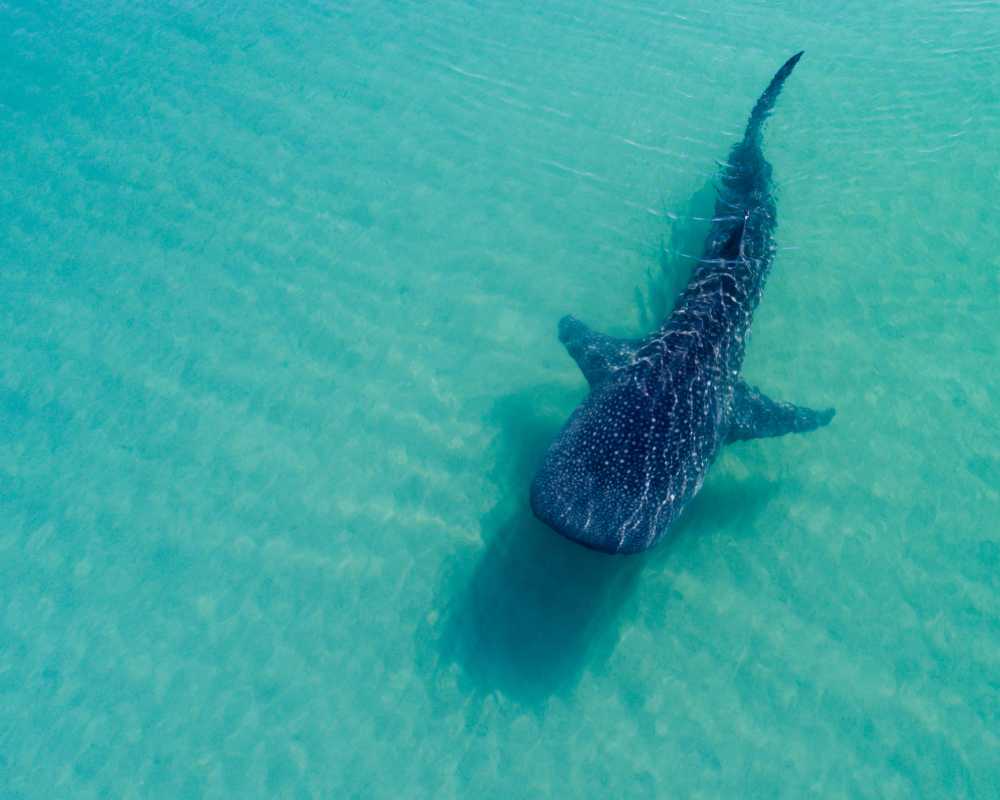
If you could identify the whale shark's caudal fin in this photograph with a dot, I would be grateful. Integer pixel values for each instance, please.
(765, 103)
(596, 354)
(756, 416)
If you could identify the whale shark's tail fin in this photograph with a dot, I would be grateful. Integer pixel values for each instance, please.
(765, 103)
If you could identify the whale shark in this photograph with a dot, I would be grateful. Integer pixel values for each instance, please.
(660, 408)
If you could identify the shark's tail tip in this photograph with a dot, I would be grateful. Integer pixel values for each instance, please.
(788, 66)
(765, 102)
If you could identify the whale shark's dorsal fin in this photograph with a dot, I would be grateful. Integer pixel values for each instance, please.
(755, 416)
(733, 248)
(597, 355)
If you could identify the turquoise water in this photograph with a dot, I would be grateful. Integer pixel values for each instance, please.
(279, 292)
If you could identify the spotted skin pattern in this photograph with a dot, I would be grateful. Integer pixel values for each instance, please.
(636, 451)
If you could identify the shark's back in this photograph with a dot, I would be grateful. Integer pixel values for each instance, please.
(637, 449)
(728, 280)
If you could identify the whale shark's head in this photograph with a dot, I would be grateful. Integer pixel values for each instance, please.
(588, 516)
(622, 469)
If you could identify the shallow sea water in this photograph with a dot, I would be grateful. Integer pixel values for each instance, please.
(279, 286)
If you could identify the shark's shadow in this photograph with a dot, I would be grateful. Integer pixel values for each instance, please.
(535, 607)
(536, 610)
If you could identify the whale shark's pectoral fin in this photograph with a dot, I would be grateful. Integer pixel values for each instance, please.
(755, 416)
(597, 355)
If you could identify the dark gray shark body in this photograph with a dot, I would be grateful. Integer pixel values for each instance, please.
(660, 409)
